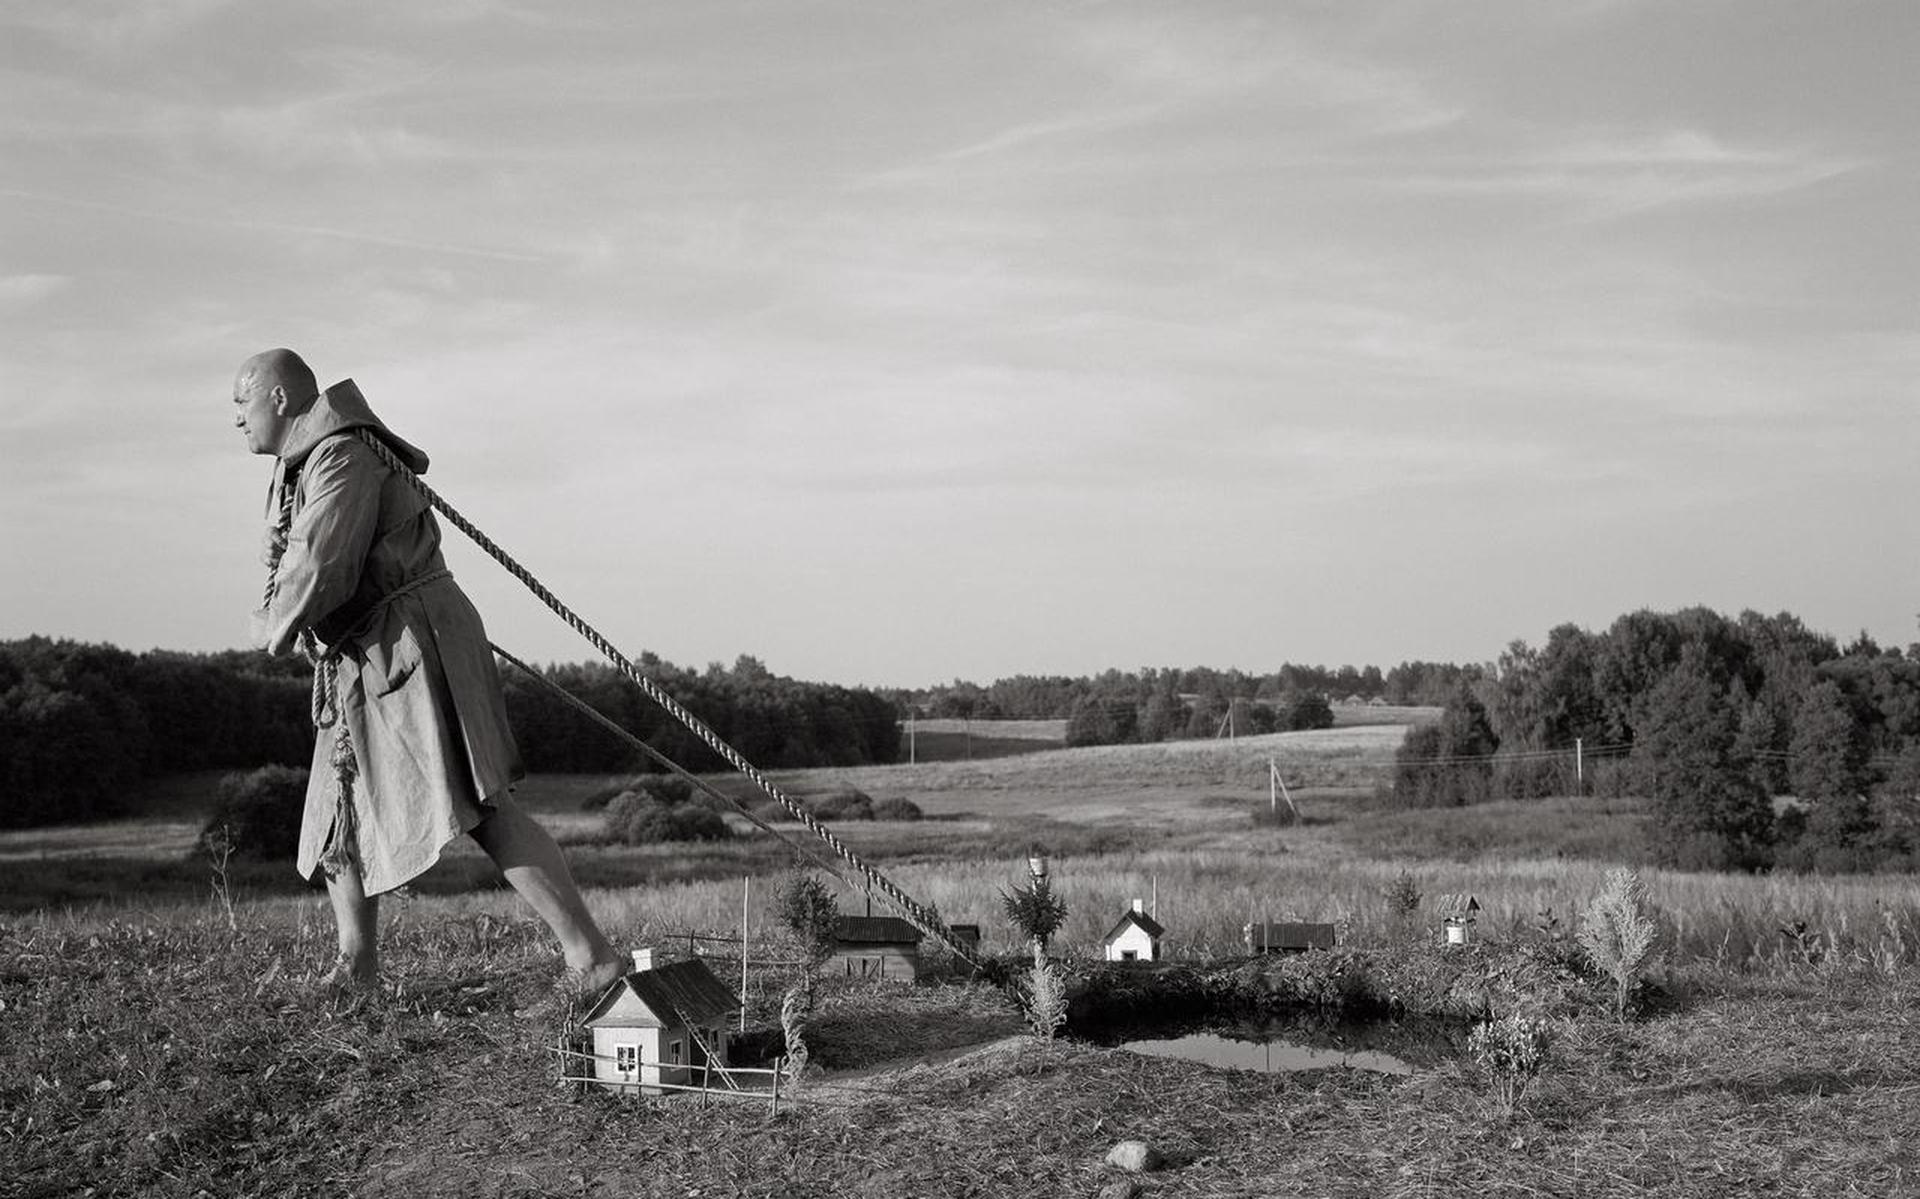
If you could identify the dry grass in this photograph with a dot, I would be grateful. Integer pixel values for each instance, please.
(1054, 731)
(163, 1055)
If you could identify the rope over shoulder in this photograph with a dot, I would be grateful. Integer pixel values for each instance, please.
(921, 917)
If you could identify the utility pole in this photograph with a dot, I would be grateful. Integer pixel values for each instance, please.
(1579, 766)
(911, 758)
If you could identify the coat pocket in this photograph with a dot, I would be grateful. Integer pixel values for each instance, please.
(389, 668)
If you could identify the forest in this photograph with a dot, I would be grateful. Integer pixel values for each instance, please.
(1756, 741)
(81, 724)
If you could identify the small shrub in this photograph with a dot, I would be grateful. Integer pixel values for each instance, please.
(897, 807)
(1512, 1050)
(1620, 933)
(848, 803)
(659, 811)
(1046, 1008)
(1403, 903)
(256, 815)
(805, 907)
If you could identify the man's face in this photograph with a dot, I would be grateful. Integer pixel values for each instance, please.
(258, 412)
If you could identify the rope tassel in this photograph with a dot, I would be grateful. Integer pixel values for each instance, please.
(340, 853)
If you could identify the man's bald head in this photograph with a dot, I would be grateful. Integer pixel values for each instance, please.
(279, 368)
(272, 390)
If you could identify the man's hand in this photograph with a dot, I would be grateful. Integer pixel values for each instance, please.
(273, 545)
(259, 632)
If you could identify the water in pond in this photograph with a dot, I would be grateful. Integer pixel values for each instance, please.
(1382, 1046)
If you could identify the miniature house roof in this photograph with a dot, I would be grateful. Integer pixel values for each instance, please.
(1290, 935)
(874, 930)
(1140, 920)
(683, 992)
(1461, 905)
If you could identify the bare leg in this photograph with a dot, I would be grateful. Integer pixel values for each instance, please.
(356, 916)
(535, 868)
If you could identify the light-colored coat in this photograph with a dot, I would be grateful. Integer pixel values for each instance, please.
(418, 690)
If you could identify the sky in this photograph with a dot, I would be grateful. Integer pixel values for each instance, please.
(897, 343)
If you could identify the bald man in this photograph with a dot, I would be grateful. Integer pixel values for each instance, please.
(413, 748)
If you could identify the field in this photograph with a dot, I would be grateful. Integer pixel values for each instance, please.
(156, 1041)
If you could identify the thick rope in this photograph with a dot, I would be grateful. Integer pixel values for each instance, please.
(592, 713)
(921, 917)
(336, 854)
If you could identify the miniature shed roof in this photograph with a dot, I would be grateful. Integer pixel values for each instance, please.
(1290, 935)
(684, 992)
(1141, 920)
(874, 930)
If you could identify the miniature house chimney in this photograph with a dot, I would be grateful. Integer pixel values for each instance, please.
(1139, 907)
(643, 959)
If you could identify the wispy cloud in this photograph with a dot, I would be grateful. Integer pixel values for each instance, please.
(21, 290)
(1622, 175)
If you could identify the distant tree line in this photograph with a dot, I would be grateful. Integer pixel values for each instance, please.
(1049, 697)
(81, 724)
(776, 722)
(1712, 719)
(1164, 704)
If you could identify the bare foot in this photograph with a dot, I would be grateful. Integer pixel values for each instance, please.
(349, 978)
(592, 982)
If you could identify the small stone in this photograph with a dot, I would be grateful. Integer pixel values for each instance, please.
(1120, 1188)
(1133, 1156)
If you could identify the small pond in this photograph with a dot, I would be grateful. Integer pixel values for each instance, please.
(1389, 1046)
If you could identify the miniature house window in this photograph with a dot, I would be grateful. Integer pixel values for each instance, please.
(673, 1048)
(1129, 955)
(626, 1059)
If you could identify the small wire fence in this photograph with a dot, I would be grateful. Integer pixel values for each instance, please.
(581, 1068)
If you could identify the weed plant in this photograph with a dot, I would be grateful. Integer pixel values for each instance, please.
(1512, 1050)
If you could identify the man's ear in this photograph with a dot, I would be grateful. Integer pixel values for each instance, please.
(279, 394)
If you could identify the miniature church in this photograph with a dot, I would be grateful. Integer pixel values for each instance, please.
(1136, 938)
(660, 1025)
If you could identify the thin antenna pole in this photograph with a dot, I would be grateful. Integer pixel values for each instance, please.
(746, 893)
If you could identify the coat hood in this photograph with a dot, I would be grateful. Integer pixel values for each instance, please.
(340, 409)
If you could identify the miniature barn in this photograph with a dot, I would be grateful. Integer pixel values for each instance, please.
(1264, 937)
(1136, 938)
(875, 947)
(650, 1027)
